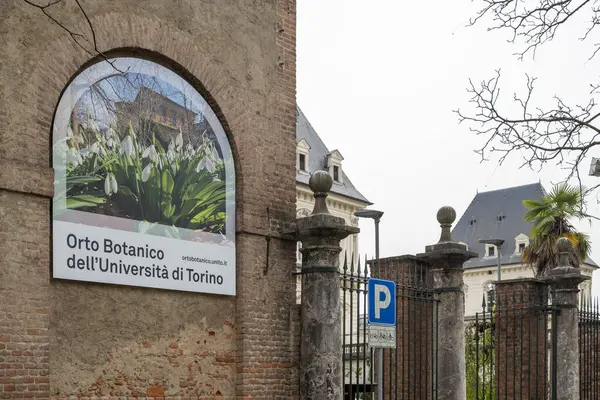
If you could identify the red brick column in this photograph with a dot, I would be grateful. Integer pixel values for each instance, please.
(407, 369)
(521, 342)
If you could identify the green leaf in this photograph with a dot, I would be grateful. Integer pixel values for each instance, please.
(167, 182)
(84, 201)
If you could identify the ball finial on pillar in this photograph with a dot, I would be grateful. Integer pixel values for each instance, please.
(320, 183)
(564, 247)
(446, 217)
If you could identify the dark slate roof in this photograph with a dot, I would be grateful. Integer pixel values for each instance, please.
(480, 221)
(317, 158)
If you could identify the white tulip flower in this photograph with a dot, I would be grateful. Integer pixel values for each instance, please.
(110, 184)
(73, 157)
(210, 165)
(96, 148)
(150, 151)
(146, 172)
(207, 164)
(127, 147)
(113, 182)
(110, 138)
(179, 140)
(201, 165)
(107, 185)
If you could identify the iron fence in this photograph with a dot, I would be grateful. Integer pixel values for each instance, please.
(409, 370)
(509, 349)
(589, 336)
(357, 357)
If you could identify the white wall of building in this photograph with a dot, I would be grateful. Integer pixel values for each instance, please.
(476, 282)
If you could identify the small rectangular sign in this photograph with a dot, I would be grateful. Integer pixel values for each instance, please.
(382, 302)
(382, 336)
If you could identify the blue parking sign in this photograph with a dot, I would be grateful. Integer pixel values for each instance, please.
(382, 302)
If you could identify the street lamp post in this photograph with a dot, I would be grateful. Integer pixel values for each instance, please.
(375, 216)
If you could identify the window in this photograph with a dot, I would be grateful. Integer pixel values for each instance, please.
(302, 158)
(334, 165)
(174, 118)
(302, 162)
(491, 251)
(521, 242)
(163, 114)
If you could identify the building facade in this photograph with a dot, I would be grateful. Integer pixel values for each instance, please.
(499, 214)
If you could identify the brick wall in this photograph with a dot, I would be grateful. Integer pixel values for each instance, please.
(60, 339)
(521, 343)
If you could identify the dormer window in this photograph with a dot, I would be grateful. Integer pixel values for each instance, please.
(521, 242)
(302, 149)
(302, 162)
(334, 164)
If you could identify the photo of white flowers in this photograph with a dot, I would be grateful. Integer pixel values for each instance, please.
(139, 143)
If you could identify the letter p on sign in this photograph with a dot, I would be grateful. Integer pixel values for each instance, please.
(382, 302)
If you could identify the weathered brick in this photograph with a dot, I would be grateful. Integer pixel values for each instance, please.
(230, 53)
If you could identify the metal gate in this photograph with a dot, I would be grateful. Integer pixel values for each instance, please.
(508, 349)
(409, 370)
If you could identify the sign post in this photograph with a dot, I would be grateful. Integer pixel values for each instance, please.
(382, 320)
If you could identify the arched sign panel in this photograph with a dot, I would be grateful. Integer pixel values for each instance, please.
(144, 191)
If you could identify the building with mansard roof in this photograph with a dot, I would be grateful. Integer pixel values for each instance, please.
(499, 214)
(344, 198)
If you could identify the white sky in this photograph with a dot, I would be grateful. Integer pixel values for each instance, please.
(379, 80)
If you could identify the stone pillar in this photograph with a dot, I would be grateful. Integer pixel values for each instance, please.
(446, 259)
(565, 280)
(321, 339)
(520, 338)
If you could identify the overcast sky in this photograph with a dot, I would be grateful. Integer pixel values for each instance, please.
(379, 81)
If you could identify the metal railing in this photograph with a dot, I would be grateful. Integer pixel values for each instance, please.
(509, 349)
(589, 349)
(409, 370)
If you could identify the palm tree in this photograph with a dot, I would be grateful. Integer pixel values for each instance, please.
(551, 220)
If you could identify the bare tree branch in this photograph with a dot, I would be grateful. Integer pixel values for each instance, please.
(536, 22)
(557, 134)
(90, 47)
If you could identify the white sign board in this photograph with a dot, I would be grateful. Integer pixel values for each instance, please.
(144, 190)
(382, 336)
